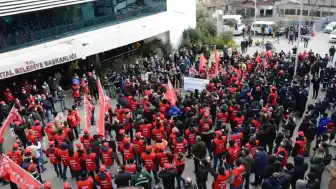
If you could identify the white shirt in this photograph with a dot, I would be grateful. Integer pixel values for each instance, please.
(35, 149)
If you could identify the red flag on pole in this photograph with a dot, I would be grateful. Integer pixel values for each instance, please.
(87, 112)
(12, 116)
(101, 118)
(217, 59)
(170, 93)
(203, 60)
(19, 176)
(108, 104)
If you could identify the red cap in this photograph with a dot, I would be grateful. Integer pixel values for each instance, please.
(15, 145)
(138, 135)
(37, 122)
(50, 124)
(47, 184)
(122, 131)
(162, 116)
(300, 133)
(66, 185)
(79, 145)
(167, 166)
(188, 108)
(51, 143)
(206, 114)
(106, 144)
(27, 150)
(2, 102)
(127, 140)
(86, 131)
(30, 131)
(148, 148)
(102, 168)
(219, 133)
(2, 140)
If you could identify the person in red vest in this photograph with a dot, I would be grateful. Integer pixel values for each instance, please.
(86, 139)
(146, 131)
(104, 178)
(190, 135)
(107, 155)
(66, 185)
(179, 163)
(9, 96)
(55, 160)
(149, 161)
(130, 167)
(180, 145)
(237, 137)
(233, 110)
(90, 162)
(76, 95)
(233, 153)
(158, 131)
(239, 120)
(163, 156)
(206, 121)
(76, 161)
(15, 154)
(126, 121)
(127, 150)
(273, 97)
(164, 107)
(31, 136)
(38, 130)
(218, 147)
(223, 115)
(252, 146)
(221, 178)
(282, 153)
(140, 145)
(86, 182)
(63, 153)
(60, 137)
(74, 120)
(50, 131)
(237, 175)
(47, 185)
(300, 146)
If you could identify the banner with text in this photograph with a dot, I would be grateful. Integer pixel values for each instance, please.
(190, 84)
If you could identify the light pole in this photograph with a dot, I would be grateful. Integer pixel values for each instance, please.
(255, 13)
(298, 39)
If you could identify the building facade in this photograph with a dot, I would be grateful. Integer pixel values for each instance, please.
(39, 34)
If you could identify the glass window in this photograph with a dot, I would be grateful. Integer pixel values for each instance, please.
(27, 28)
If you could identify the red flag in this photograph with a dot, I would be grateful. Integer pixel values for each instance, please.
(203, 60)
(258, 59)
(269, 53)
(19, 176)
(108, 104)
(87, 112)
(12, 116)
(101, 118)
(217, 59)
(170, 93)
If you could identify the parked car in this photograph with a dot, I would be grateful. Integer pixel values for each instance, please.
(330, 27)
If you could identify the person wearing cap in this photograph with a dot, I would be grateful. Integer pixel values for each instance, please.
(218, 148)
(74, 120)
(104, 178)
(141, 178)
(108, 155)
(252, 145)
(146, 131)
(233, 152)
(15, 154)
(126, 121)
(179, 144)
(51, 153)
(159, 130)
(122, 178)
(130, 166)
(300, 145)
(139, 144)
(86, 139)
(47, 185)
(168, 174)
(50, 131)
(149, 161)
(86, 182)
(164, 106)
(127, 150)
(38, 129)
(179, 163)
(206, 121)
(76, 161)
(190, 135)
(63, 154)
(272, 182)
(237, 177)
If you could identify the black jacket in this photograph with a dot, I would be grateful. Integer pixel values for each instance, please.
(168, 178)
(286, 178)
(271, 168)
(122, 179)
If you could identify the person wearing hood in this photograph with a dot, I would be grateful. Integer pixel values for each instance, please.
(122, 178)
(168, 174)
(259, 165)
(104, 178)
(272, 183)
(300, 168)
(189, 184)
(286, 176)
(86, 182)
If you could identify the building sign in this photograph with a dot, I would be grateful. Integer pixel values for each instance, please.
(31, 66)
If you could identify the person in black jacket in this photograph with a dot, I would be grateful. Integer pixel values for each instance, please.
(122, 178)
(168, 175)
(300, 168)
(313, 182)
(273, 166)
(286, 176)
(202, 173)
(316, 86)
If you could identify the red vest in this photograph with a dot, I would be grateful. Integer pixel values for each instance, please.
(302, 146)
(64, 155)
(146, 131)
(238, 173)
(220, 145)
(180, 146)
(90, 162)
(85, 184)
(223, 116)
(52, 154)
(130, 168)
(128, 152)
(60, 139)
(86, 141)
(16, 156)
(237, 138)
(191, 137)
(284, 160)
(252, 149)
(233, 153)
(149, 161)
(139, 146)
(105, 183)
(221, 181)
(107, 157)
(159, 133)
(38, 131)
(75, 163)
(163, 158)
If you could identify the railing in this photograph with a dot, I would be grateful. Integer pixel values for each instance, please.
(18, 41)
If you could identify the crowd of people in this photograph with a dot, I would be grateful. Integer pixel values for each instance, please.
(242, 124)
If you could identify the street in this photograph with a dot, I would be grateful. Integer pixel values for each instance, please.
(319, 44)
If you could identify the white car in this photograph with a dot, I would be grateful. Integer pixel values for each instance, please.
(332, 37)
(330, 27)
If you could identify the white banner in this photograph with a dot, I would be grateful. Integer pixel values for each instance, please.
(190, 84)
